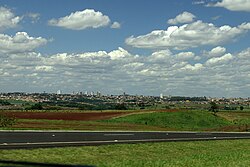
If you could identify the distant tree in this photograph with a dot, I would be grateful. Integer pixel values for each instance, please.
(241, 108)
(37, 106)
(213, 107)
(167, 107)
(121, 106)
(4, 102)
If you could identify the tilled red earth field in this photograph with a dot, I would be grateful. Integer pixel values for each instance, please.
(86, 116)
(64, 116)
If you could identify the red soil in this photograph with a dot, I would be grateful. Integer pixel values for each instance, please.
(85, 116)
(64, 116)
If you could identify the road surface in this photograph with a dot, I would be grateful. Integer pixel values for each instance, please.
(39, 139)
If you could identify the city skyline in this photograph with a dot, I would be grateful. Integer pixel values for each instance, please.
(191, 48)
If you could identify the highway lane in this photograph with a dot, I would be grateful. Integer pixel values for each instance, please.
(39, 139)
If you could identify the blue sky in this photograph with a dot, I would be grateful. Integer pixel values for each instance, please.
(174, 47)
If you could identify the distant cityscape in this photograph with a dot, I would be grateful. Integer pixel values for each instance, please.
(96, 100)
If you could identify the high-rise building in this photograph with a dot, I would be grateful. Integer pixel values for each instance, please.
(59, 92)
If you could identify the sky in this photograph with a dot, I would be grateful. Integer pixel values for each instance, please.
(173, 47)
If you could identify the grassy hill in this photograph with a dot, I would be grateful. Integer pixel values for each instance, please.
(184, 120)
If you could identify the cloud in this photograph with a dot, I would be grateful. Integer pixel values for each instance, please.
(33, 16)
(81, 20)
(119, 54)
(19, 43)
(216, 52)
(188, 36)
(161, 56)
(8, 19)
(245, 26)
(185, 55)
(44, 68)
(116, 25)
(216, 17)
(233, 5)
(198, 2)
(110, 72)
(195, 67)
(184, 17)
(219, 60)
(245, 54)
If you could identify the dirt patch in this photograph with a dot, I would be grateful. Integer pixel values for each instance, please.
(231, 128)
(85, 116)
(64, 116)
(79, 125)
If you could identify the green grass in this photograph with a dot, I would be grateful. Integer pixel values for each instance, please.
(228, 153)
(185, 120)
(238, 117)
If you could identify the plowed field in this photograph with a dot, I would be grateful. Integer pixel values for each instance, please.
(85, 116)
(65, 116)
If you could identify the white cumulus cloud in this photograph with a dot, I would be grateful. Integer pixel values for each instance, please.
(234, 5)
(118, 54)
(81, 20)
(20, 42)
(116, 25)
(188, 36)
(185, 55)
(195, 67)
(245, 54)
(216, 52)
(184, 17)
(219, 60)
(8, 19)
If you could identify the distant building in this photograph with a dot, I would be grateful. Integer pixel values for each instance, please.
(98, 94)
(92, 93)
(59, 92)
(161, 96)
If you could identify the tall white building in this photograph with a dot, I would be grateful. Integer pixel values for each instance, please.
(59, 92)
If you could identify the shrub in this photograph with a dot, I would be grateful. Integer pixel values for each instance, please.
(4, 102)
(241, 108)
(37, 106)
(121, 106)
(6, 121)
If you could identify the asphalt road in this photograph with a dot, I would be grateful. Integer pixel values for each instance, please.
(39, 139)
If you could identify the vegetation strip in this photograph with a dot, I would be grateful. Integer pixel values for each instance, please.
(226, 153)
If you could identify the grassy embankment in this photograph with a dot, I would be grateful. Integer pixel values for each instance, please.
(189, 120)
(229, 153)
